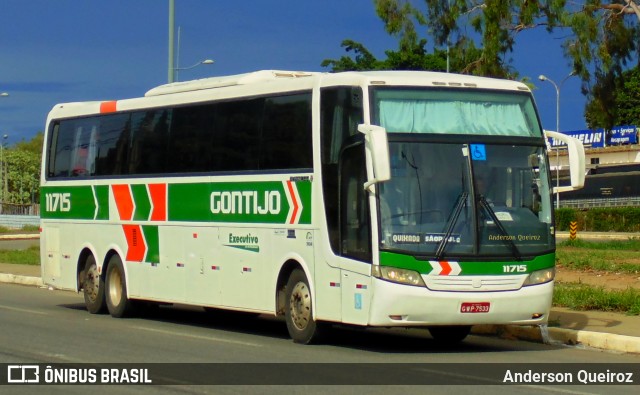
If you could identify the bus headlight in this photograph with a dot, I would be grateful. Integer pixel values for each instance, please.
(397, 275)
(540, 276)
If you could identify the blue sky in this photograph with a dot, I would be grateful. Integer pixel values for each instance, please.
(77, 50)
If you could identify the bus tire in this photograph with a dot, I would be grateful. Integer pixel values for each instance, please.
(298, 313)
(93, 287)
(116, 289)
(450, 335)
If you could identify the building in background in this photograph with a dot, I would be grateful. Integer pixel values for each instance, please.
(613, 168)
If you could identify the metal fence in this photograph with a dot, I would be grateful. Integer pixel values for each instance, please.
(19, 209)
(17, 216)
(600, 202)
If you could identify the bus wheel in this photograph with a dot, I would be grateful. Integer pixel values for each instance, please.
(449, 335)
(116, 289)
(298, 312)
(93, 287)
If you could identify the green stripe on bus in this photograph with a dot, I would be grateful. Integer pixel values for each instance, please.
(268, 202)
(142, 202)
(238, 202)
(152, 239)
(467, 268)
(304, 190)
(102, 195)
(189, 202)
(69, 202)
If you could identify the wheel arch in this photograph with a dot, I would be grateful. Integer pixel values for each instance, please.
(286, 269)
(115, 251)
(81, 263)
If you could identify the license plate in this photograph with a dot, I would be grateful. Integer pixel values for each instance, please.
(475, 307)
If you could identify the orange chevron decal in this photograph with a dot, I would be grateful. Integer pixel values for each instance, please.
(108, 106)
(158, 194)
(296, 205)
(124, 201)
(135, 241)
(446, 269)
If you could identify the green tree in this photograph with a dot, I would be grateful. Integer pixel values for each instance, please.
(600, 35)
(494, 23)
(22, 171)
(602, 44)
(627, 101)
(413, 56)
(34, 145)
(363, 59)
(622, 106)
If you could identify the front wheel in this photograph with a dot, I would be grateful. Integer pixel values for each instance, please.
(302, 327)
(116, 289)
(93, 287)
(450, 335)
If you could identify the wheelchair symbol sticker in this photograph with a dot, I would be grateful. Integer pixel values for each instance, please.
(478, 152)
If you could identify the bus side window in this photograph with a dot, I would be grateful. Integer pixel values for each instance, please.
(82, 148)
(341, 113)
(112, 145)
(286, 133)
(59, 149)
(149, 134)
(354, 219)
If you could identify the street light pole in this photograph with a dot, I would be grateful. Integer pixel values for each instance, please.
(172, 17)
(3, 94)
(206, 61)
(174, 64)
(542, 77)
(2, 170)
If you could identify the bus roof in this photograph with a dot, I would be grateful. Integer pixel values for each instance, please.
(355, 77)
(265, 81)
(225, 81)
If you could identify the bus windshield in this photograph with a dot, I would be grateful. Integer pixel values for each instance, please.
(453, 199)
(471, 194)
(455, 111)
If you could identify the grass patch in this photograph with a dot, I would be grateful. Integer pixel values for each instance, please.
(620, 256)
(30, 256)
(577, 296)
(25, 228)
(632, 244)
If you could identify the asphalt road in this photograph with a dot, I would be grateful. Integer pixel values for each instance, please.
(41, 326)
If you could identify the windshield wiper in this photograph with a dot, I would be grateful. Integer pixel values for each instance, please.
(507, 238)
(453, 219)
(415, 169)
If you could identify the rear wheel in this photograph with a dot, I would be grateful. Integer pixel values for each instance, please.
(93, 287)
(299, 311)
(450, 335)
(116, 289)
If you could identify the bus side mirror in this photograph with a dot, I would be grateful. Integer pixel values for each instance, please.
(377, 146)
(576, 161)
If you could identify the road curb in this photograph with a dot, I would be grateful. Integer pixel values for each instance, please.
(600, 340)
(20, 237)
(535, 333)
(606, 341)
(22, 280)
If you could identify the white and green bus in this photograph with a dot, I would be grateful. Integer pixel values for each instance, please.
(379, 199)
